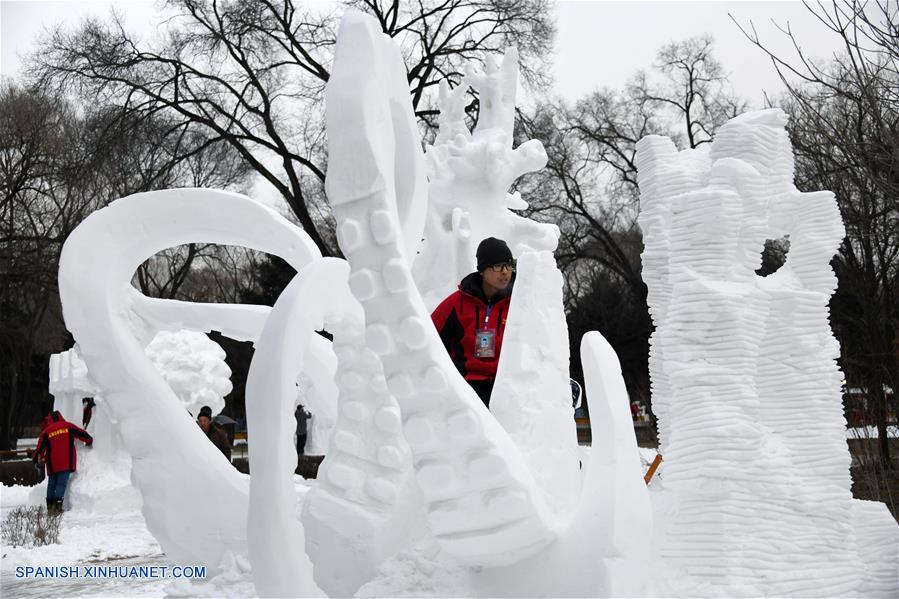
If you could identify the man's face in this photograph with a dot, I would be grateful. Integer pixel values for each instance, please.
(499, 280)
(204, 423)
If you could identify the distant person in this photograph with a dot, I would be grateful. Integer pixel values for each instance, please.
(56, 449)
(213, 431)
(302, 415)
(87, 411)
(471, 321)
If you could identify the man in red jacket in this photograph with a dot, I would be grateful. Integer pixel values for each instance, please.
(56, 447)
(471, 321)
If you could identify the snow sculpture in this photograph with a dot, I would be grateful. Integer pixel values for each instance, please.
(470, 173)
(103, 480)
(417, 469)
(317, 391)
(318, 295)
(481, 500)
(532, 396)
(456, 444)
(112, 323)
(750, 505)
(69, 383)
(194, 367)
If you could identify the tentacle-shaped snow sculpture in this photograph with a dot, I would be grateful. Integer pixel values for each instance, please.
(281, 567)
(532, 397)
(750, 505)
(96, 267)
(470, 174)
(605, 550)
(615, 476)
(481, 501)
(394, 127)
(364, 507)
(239, 322)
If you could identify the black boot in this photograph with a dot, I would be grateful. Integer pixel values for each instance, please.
(50, 506)
(59, 507)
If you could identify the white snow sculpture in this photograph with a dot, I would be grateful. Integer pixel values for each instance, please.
(752, 504)
(532, 397)
(176, 469)
(317, 391)
(481, 500)
(69, 382)
(103, 480)
(194, 367)
(417, 468)
(456, 444)
(318, 294)
(470, 173)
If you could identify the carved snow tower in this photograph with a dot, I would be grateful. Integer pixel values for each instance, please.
(756, 496)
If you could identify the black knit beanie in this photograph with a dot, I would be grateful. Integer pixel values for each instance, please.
(492, 251)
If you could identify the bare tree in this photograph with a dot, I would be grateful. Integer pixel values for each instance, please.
(693, 87)
(251, 74)
(589, 187)
(845, 130)
(57, 165)
(39, 160)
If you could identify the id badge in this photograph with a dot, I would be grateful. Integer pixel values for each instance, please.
(485, 343)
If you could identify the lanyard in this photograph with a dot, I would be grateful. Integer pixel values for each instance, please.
(487, 316)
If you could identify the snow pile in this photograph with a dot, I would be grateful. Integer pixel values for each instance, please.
(194, 367)
(749, 506)
(103, 480)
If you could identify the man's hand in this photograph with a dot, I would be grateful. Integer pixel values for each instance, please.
(39, 466)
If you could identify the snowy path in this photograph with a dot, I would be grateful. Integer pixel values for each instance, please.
(88, 587)
(109, 531)
(88, 537)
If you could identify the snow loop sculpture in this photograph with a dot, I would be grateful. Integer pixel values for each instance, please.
(112, 323)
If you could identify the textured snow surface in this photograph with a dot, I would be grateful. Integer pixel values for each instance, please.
(469, 177)
(69, 382)
(750, 505)
(194, 367)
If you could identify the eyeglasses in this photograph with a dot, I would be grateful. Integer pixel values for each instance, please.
(510, 266)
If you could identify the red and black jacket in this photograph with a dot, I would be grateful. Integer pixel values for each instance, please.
(56, 445)
(464, 312)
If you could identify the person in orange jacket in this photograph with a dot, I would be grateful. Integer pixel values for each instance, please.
(56, 448)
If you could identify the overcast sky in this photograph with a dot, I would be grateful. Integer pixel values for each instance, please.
(598, 44)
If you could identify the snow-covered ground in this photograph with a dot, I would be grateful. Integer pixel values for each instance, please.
(88, 537)
(108, 533)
